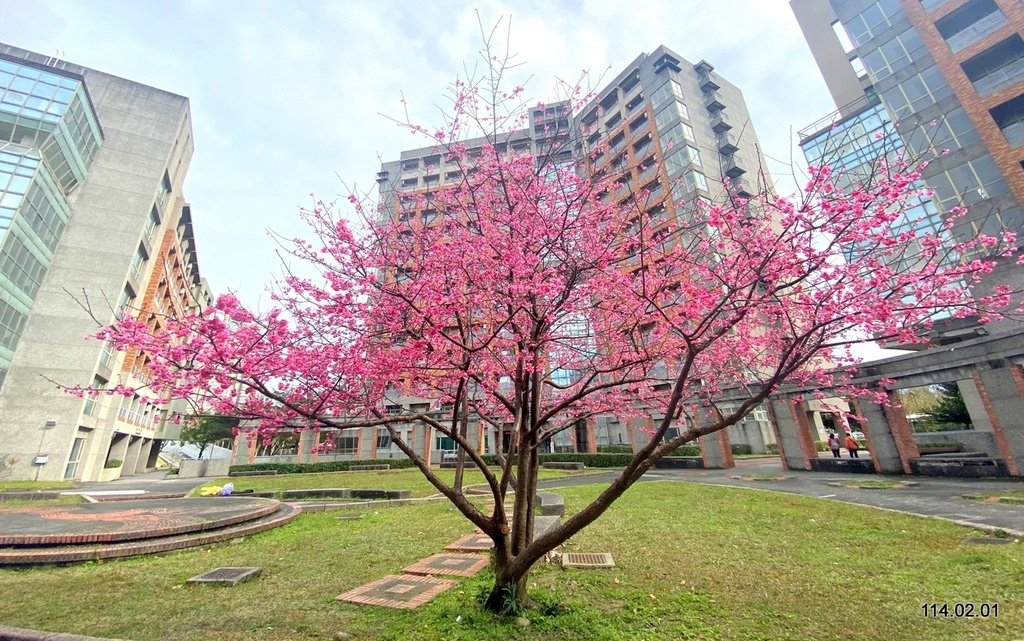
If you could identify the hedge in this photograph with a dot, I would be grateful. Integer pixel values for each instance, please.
(614, 449)
(772, 448)
(328, 466)
(589, 460)
(742, 448)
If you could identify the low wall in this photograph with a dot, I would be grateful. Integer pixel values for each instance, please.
(190, 469)
(973, 440)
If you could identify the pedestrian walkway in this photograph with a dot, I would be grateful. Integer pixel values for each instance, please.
(418, 583)
(931, 496)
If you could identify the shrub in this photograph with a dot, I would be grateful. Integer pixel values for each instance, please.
(615, 449)
(821, 446)
(742, 448)
(772, 448)
(112, 463)
(687, 449)
(329, 466)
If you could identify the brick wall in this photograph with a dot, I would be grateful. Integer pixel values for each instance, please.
(1006, 158)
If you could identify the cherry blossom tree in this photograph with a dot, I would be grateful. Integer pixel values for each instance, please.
(543, 293)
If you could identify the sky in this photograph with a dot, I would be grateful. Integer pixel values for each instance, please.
(290, 99)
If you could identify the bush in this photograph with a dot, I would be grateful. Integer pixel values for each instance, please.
(821, 446)
(772, 448)
(687, 449)
(589, 460)
(742, 448)
(615, 449)
(926, 448)
(112, 463)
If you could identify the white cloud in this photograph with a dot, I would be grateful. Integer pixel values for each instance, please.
(286, 97)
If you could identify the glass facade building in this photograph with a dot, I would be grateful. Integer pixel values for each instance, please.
(49, 135)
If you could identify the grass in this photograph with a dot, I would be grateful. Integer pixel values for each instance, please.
(23, 486)
(869, 484)
(693, 562)
(60, 500)
(386, 480)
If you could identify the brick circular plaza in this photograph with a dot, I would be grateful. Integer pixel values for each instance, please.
(125, 520)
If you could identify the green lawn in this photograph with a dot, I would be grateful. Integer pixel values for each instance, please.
(408, 479)
(693, 562)
(35, 485)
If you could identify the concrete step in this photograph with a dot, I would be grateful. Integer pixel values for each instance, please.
(285, 513)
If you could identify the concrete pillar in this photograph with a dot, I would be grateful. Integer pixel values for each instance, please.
(240, 449)
(715, 449)
(367, 448)
(975, 406)
(144, 448)
(888, 433)
(304, 450)
(131, 457)
(793, 433)
(118, 448)
(1002, 393)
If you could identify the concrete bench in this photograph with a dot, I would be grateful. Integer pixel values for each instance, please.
(317, 493)
(967, 467)
(562, 465)
(370, 493)
(369, 468)
(680, 463)
(550, 504)
(253, 473)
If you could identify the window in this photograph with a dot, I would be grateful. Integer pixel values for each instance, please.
(894, 55)
(137, 262)
(1000, 65)
(666, 93)
(152, 222)
(875, 19)
(681, 158)
(968, 183)
(444, 444)
(916, 93)
(677, 137)
(383, 438)
(969, 23)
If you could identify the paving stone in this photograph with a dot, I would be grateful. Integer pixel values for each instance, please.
(472, 543)
(449, 564)
(405, 592)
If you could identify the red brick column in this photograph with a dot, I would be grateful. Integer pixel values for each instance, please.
(728, 462)
(591, 434)
(997, 428)
(899, 427)
(314, 452)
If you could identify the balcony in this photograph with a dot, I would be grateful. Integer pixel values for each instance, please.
(740, 187)
(720, 123)
(726, 144)
(713, 101)
(731, 167)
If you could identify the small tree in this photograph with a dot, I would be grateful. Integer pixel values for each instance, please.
(950, 407)
(204, 430)
(533, 293)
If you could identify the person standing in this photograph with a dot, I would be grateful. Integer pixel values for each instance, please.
(833, 444)
(852, 445)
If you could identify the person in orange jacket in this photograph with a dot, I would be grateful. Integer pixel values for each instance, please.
(852, 445)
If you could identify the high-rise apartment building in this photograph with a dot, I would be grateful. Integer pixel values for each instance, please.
(673, 131)
(92, 225)
(928, 76)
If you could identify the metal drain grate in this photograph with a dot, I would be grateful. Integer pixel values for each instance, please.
(587, 560)
(225, 576)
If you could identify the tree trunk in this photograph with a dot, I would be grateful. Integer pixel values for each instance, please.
(508, 596)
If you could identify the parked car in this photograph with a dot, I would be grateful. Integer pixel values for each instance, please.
(858, 435)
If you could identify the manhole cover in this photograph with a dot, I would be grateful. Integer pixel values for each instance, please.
(587, 560)
(225, 576)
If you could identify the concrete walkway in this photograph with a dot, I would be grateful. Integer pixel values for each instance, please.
(933, 497)
(150, 483)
